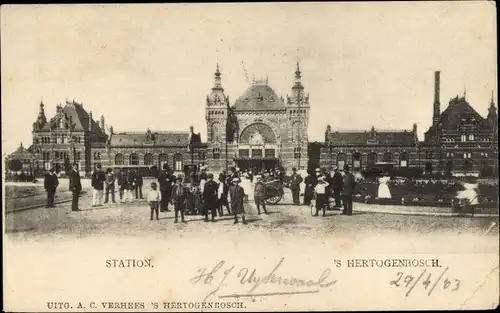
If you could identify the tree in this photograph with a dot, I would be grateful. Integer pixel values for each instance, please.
(15, 165)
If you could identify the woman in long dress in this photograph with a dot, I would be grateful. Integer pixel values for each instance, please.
(310, 183)
(383, 188)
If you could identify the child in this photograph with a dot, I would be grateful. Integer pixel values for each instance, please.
(196, 193)
(154, 198)
(321, 195)
(259, 194)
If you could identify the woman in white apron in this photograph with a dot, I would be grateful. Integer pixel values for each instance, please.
(383, 188)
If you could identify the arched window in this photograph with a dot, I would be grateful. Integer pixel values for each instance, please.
(119, 160)
(178, 162)
(216, 152)
(388, 157)
(356, 160)
(148, 159)
(162, 160)
(296, 152)
(134, 159)
(341, 158)
(214, 132)
(403, 159)
(372, 158)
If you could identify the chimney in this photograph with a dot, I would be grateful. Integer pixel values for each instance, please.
(90, 121)
(437, 109)
(103, 124)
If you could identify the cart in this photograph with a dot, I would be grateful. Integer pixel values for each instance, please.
(273, 191)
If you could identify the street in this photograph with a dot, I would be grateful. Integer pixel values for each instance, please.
(133, 220)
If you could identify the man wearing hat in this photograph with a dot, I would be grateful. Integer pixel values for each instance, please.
(210, 197)
(50, 184)
(237, 196)
(349, 183)
(166, 183)
(295, 181)
(97, 181)
(337, 183)
(75, 186)
(178, 198)
(259, 194)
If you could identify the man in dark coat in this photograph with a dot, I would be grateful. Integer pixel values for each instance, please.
(337, 184)
(295, 181)
(178, 198)
(50, 184)
(210, 197)
(120, 181)
(165, 181)
(138, 185)
(110, 186)
(259, 194)
(98, 179)
(237, 196)
(75, 186)
(348, 190)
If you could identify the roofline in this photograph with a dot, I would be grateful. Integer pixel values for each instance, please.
(179, 132)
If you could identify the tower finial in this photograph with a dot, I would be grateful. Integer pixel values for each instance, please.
(491, 100)
(217, 80)
(465, 91)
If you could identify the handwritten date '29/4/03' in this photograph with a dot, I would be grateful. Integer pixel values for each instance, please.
(427, 280)
(224, 275)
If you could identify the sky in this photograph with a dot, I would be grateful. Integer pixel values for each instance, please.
(151, 66)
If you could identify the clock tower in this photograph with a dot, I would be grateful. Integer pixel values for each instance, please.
(216, 113)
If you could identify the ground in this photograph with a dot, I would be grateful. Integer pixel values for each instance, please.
(58, 255)
(133, 220)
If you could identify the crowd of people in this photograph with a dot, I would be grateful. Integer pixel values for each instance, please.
(199, 192)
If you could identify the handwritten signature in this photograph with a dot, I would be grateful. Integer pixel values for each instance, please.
(246, 276)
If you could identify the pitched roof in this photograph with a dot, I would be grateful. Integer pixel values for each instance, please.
(140, 139)
(22, 152)
(457, 111)
(259, 97)
(383, 137)
(80, 118)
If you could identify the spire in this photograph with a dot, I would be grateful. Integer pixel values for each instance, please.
(465, 92)
(217, 79)
(42, 119)
(298, 77)
(492, 102)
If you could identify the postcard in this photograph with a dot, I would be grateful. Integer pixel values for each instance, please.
(250, 157)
